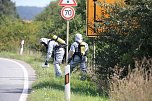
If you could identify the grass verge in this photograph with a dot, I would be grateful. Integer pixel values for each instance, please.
(48, 88)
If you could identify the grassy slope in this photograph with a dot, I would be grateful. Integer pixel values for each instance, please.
(49, 88)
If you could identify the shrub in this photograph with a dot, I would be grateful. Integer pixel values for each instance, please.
(137, 86)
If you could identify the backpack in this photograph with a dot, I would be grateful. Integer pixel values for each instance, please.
(81, 50)
(62, 43)
(58, 39)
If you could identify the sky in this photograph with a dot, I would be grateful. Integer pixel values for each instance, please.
(38, 3)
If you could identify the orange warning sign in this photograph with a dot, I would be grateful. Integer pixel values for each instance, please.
(67, 3)
(95, 13)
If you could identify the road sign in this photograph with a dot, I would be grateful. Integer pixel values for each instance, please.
(94, 15)
(67, 3)
(67, 13)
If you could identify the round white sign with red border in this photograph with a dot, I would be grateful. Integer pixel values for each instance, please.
(67, 12)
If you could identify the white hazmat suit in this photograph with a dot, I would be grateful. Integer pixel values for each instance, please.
(75, 57)
(59, 52)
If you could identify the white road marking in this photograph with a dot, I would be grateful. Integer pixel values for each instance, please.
(24, 94)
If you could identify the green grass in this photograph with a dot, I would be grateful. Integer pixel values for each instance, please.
(49, 88)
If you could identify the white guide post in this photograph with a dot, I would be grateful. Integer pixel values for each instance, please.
(67, 83)
(21, 50)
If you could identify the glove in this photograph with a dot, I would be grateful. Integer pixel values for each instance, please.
(84, 58)
(45, 65)
(46, 62)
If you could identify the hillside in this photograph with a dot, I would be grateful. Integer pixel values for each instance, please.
(28, 13)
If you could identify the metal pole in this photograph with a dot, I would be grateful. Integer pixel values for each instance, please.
(94, 54)
(67, 41)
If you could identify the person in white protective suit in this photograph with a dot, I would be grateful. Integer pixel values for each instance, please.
(58, 49)
(78, 55)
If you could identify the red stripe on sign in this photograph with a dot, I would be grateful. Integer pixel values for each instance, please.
(67, 78)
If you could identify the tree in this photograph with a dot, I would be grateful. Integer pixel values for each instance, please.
(7, 8)
(126, 36)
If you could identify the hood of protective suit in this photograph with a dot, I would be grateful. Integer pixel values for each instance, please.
(78, 37)
(44, 41)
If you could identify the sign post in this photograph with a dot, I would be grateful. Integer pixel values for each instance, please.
(67, 41)
(67, 13)
(67, 69)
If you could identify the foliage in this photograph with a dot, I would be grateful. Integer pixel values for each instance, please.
(137, 83)
(7, 8)
(8, 41)
(126, 35)
(12, 31)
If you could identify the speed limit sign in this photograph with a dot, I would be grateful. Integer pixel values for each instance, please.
(68, 12)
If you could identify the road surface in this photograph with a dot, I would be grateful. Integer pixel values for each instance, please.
(16, 78)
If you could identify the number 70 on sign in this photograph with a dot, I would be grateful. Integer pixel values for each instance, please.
(67, 13)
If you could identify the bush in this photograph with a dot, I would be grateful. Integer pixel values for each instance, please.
(137, 86)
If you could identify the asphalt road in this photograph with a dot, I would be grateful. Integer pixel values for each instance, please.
(16, 78)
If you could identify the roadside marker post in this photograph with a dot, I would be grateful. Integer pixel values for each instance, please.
(67, 83)
(21, 50)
